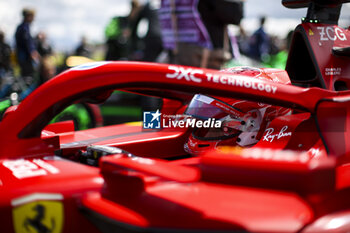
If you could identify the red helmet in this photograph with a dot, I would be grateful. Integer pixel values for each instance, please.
(242, 122)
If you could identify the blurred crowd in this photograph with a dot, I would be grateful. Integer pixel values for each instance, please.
(31, 59)
(192, 32)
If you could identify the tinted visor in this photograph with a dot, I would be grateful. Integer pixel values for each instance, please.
(204, 107)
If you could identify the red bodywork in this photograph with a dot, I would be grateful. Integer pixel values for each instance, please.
(312, 51)
(295, 179)
(282, 185)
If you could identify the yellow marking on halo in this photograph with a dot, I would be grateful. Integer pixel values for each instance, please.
(311, 33)
(233, 150)
(135, 123)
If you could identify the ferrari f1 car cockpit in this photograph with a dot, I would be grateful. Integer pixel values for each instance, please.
(286, 138)
(239, 150)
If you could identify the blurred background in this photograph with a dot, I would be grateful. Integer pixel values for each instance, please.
(66, 21)
(65, 33)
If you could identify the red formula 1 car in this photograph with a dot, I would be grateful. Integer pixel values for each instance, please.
(242, 150)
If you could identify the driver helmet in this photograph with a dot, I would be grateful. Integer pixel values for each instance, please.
(242, 122)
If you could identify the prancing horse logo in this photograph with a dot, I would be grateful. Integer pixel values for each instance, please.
(38, 217)
(37, 221)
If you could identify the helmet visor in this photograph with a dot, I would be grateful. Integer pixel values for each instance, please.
(205, 107)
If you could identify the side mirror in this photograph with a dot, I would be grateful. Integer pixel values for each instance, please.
(58, 127)
(333, 121)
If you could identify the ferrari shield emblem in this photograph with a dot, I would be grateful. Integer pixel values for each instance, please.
(43, 216)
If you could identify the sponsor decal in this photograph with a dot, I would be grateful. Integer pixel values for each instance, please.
(155, 120)
(21, 168)
(192, 75)
(275, 155)
(267, 154)
(270, 136)
(241, 81)
(38, 213)
(332, 71)
(183, 73)
(331, 33)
